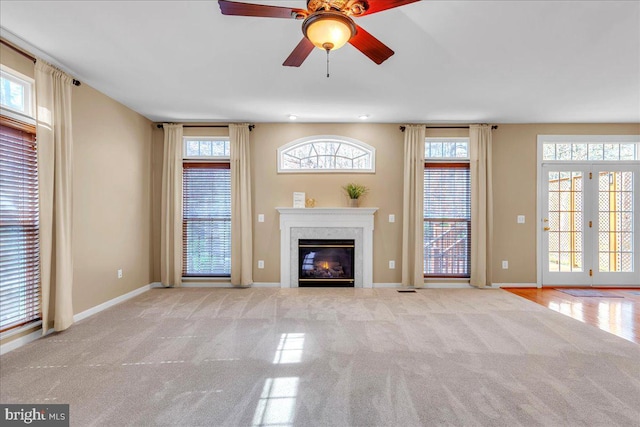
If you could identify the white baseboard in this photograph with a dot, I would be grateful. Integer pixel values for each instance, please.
(447, 286)
(24, 340)
(206, 285)
(514, 285)
(19, 342)
(98, 308)
(221, 285)
(266, 285)
(387, 285)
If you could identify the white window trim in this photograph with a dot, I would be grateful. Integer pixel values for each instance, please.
(327, 138)
(447, 159)
(186, 139)
(29, 116)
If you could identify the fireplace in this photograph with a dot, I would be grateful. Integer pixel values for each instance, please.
(326, 223)
(326, 263)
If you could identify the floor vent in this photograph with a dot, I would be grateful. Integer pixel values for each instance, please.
(406, 290)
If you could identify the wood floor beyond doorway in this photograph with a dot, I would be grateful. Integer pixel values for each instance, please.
(619, 316)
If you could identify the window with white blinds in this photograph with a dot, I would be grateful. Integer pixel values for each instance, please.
(19, 227)
(206, 224)
(447, 209)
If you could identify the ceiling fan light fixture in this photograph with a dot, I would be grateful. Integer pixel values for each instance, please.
(328, 30)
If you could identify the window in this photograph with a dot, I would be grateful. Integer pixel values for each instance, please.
(19, 227)
(206, 148)
(590, 148)
(447, 208)
(16, 92)
(206, 223)
(326, 153)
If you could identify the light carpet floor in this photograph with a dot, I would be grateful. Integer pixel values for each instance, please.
(330, 357)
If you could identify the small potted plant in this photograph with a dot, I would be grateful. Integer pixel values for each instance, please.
(355, 191)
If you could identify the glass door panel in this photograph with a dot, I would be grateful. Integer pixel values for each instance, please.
(617, 255)
(564, 231)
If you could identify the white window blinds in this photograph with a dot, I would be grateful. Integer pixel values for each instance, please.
(19, 225)
(447, 220)
(206, 226)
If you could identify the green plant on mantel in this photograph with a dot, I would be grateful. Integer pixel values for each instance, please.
(355, 191)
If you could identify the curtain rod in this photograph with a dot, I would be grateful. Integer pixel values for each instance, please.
(402, 128)
(29, 56)
(159, 126)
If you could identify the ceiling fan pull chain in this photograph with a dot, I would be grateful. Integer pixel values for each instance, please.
(328, 63)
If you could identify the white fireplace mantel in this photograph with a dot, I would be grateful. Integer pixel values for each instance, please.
(349, 223)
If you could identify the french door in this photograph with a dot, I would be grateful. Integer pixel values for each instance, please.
(591, 224)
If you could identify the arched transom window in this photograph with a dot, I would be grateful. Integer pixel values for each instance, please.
(326, 153)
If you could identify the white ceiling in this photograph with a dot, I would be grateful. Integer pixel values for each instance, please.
(454, 62)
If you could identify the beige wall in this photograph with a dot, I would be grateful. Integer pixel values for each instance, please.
(15, 61)
(112, 198)
(118, 177)
(514, 179)
(515, 189)
(111, 193)
(273, 190)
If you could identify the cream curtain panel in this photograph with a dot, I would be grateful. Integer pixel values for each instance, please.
(171, 219)
(413, 207)
(55, 175)
(481, 205)
(241, 216)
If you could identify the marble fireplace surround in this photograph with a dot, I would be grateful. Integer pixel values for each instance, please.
(326, 223)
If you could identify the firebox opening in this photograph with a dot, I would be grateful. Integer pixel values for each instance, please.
(327, 263)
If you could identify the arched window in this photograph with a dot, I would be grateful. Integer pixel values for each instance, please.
(326, 153)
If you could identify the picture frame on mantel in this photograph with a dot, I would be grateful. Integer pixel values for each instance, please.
(298, 199)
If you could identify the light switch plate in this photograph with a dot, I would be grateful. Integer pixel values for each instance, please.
(260, 217)
(505, 265)
(260, 263)
(392, 218)
(392, 264)
(520, 219)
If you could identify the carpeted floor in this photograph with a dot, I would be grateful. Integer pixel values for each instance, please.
(321, 357)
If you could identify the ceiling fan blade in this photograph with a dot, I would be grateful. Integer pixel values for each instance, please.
(248, 9)
(380, 5)
(377, 51)
(299, 54)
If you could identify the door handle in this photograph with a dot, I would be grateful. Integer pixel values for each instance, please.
(547, 229)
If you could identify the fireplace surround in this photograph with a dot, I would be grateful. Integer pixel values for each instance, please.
(326, 223)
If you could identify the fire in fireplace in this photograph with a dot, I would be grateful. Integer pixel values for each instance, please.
(324, 262)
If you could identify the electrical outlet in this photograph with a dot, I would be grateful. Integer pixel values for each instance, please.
(119, 273)
(392, 264)
(505, 265)
(392, 218)
(260, 263)
(520, 219)
(260, 217)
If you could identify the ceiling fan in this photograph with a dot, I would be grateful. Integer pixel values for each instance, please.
(327, 24)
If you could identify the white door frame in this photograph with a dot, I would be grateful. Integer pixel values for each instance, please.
(541, 139)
